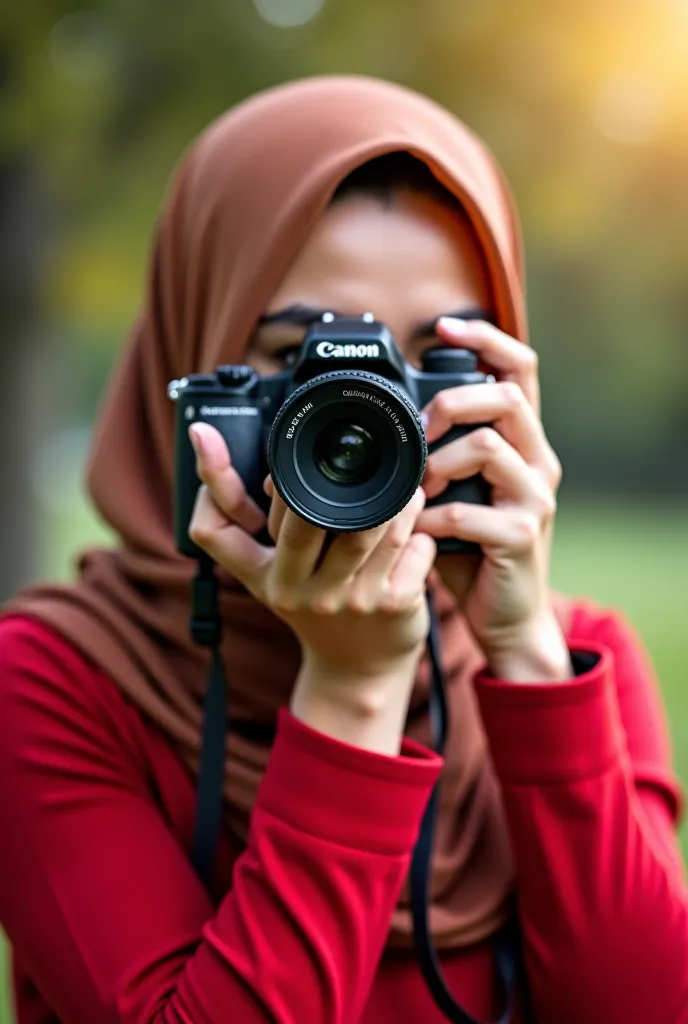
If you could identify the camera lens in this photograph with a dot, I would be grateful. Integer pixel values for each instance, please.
(347, 450)
(345, 453)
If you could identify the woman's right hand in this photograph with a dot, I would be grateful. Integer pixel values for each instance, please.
(359, 611)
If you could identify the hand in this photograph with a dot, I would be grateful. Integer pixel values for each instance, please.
(504, 594)
(358, 609)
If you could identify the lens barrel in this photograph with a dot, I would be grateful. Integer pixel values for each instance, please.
(347, 450)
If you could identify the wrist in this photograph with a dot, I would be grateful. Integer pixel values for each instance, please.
(538, 653)
(366, 708)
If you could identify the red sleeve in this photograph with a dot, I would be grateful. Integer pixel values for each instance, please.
(592, 803)
(100, 900)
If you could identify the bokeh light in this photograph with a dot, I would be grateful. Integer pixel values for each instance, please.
(628, 109)
(288, 13)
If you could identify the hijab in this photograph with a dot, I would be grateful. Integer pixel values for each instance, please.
(241, 203)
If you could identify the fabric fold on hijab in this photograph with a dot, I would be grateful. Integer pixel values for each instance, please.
(241, 204)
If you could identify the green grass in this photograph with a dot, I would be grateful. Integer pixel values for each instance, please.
(634, 558)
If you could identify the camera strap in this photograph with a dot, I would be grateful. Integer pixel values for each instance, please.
(206, 631)
(507, 950)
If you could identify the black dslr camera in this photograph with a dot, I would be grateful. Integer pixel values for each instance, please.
(339, 430)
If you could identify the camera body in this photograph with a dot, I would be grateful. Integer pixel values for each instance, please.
(339, 430)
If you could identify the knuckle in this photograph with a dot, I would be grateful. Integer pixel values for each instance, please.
(528, 526)
(231, 504)
(556, 470)
(485, 439)
(201, 530)
(282, 599)
(454, 514)
(513, 393)
(546, 503)
(201, 534)
(325, 604)
(360, 603)
(530, 358)
(396, 603)
(444, 403)
(391, 603)
(396, 536)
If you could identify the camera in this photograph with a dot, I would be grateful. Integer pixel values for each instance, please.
(339, 430)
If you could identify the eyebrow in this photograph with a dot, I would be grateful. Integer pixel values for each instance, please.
(306, 316)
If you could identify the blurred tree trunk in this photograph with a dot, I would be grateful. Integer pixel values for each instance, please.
(24, 377)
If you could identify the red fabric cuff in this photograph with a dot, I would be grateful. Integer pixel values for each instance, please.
(553, 732)
(349, 796)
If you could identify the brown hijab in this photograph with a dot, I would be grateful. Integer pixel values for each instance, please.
(241, 203)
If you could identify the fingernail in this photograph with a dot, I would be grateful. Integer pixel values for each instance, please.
(196, 438)
(425, 419)
(453, 324)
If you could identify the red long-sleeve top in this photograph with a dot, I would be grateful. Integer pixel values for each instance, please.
(110, 924)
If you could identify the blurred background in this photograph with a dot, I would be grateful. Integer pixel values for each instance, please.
(585, 104)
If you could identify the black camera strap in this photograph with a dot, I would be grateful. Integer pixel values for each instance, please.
(507, 941)
(206, 631)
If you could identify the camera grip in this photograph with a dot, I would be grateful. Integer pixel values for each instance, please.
(244, 437)
(473, 490)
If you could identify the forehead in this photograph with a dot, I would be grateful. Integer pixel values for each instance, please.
(363, 252)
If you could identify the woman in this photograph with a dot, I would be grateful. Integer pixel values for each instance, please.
(345, 195)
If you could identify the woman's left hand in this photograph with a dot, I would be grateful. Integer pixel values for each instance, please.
(505, 593)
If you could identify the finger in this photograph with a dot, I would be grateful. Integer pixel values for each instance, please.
(382, 559)
(506, 530)
(214, 468)
(485, 451)
(503, 405)
(345, 556)
(206, 518)
(276, 515)
(410, 574)
(228, 544)
(513, 360)
(297, 551)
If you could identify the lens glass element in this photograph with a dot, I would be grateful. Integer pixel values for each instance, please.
(346, 453)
